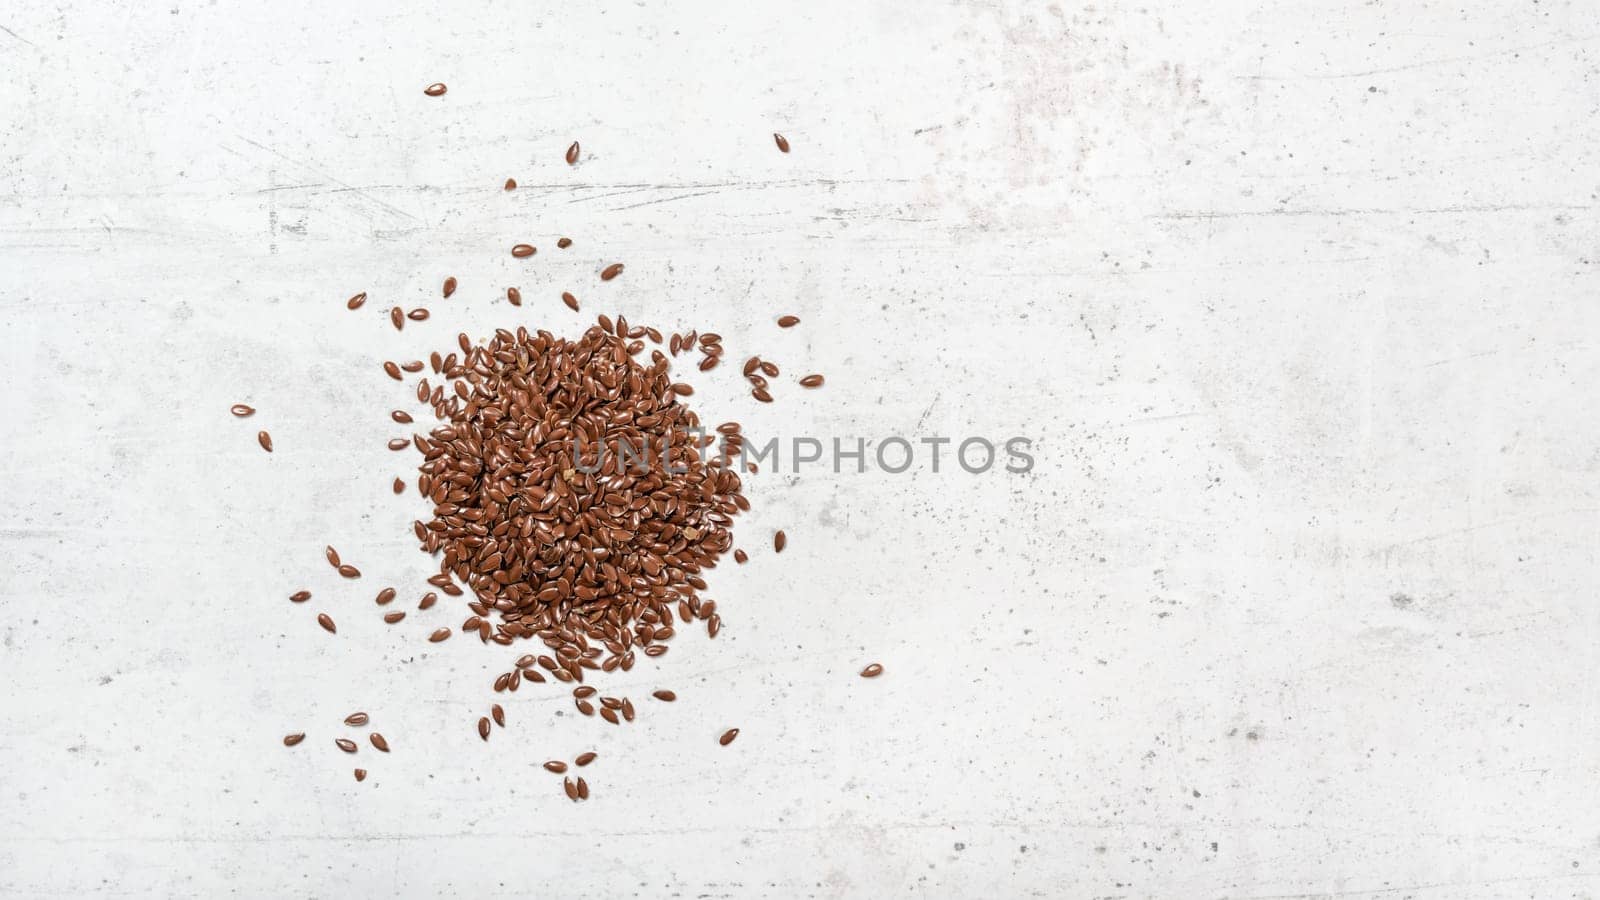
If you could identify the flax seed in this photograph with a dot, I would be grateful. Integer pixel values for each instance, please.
(265, 440)
(728, 736)
(572, 154)
(289, 740)
(436, 89)
(357, 301)
(345, 744)
(781, 141)
(326, 622)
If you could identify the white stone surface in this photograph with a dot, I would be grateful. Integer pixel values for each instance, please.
(1296, 299)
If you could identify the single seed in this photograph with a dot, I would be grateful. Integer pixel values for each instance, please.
(417, 315)
(361, 774)
(779, 541)
(265, 440)
(393, 370)
(609, 715)
(514, 296)
(811, 381)
(584, 707)
(439, 635)
(739, 556)
(401, 416)
(300, 596)
(399, 443)
(570, 301)
(523, 251)
(349, 571)
(511, 184)
(708, 364)
(627, 709)
(499, 714)
(397, 317)
(583, 759)
(556, 766)
(326, 622)
(762, 395)
(357, 301)
(413, 366)
(332, 555)
(788, 321)
(399, 486)
(428, 600)
(393, 617)
(751, 365)
(525, 661)
(714, 624)
(584, 691)
(483, 727)
(436, 89)
(241, 410)
(449, 286)
(781, 141)
(501, 680)
(728, 736)
(384, 596)
(570, 788)
(345, 744)
(583, 789)
(611, 271)
(872, 671)
(564, 243)
(610, 703)
(572, 154)
(289, 740)
(666, 696)
(357, 718)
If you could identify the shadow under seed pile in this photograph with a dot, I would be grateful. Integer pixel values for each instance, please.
(580, 559)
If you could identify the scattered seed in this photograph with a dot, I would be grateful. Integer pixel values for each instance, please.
(397, 317)
(556, 766)
(583, 759)
(413, 366)
(584, 707)
(872, 671)
(511, 184)
(265, 440)
(393, 370)
(739, 556)
(627, 709)
(300, 596)
(609, 715)
(779, 541)
(449, 286)
(361, 774)
(384, 596)
(584, 691)
(436, 89)
(357, 301)
(564, 243)
(781, 141)
(326, 622)
(345, 744)
(428, 600)
(241, 410)
(349, 571)
(728, 736)
(393, 617)
(611, 271)
(583, 789)
(666, 696)
(788, 321)
(570, 788)
(811, 381)
(439, 635)
(570, 301)
(357, 718)
(514, 296)
(418, 315)
(572, 154)
(289, 740)
(399, 443)
(523, 251)
(483, 727)
(399, 486)
(332, 555)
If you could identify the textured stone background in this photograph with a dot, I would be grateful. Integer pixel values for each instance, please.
(1297, 300)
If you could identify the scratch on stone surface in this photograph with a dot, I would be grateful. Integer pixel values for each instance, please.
(1427, 63)
(18, 36)
(664, 200)
(352, 188)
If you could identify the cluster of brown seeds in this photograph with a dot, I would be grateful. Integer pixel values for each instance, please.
(539, 506)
